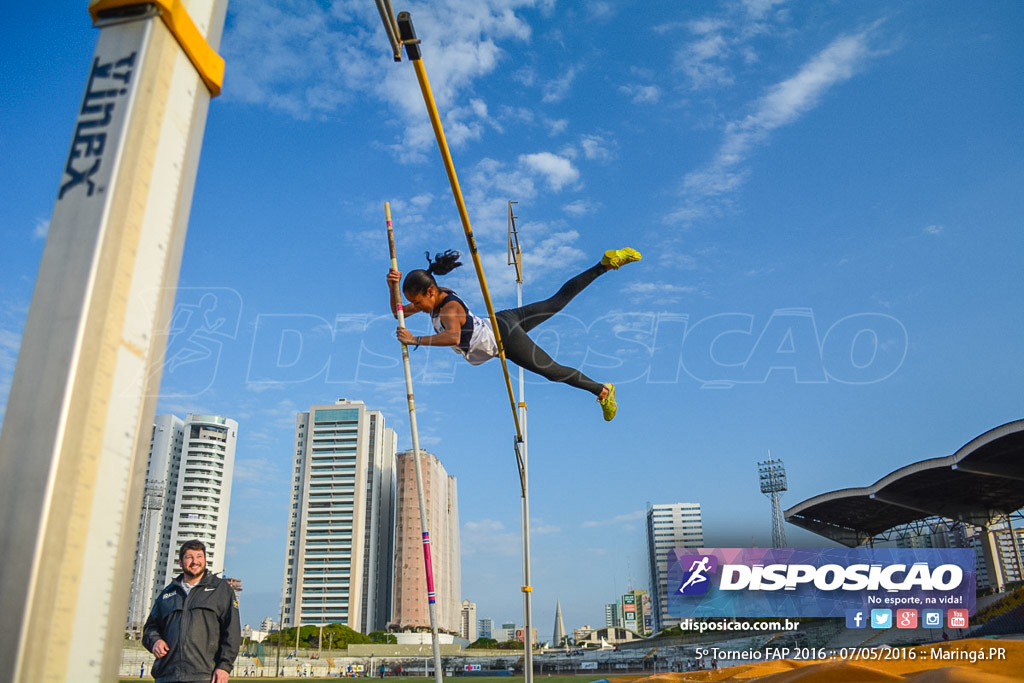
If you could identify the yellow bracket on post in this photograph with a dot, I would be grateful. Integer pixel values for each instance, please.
(175, 16)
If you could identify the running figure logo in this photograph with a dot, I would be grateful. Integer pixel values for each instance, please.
(695, 581)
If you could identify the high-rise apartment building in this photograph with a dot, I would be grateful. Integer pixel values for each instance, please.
(440, 495)
(611, 615)
(998, 549)
(485, 628)
(467, 628)
(635, 612)
(340, 533)
(187, 496)
(506, 633)
(673, 525)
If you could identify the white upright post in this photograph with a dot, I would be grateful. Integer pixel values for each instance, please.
(84, 394)
(515, 258)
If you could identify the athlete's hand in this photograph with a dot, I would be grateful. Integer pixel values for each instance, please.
(394, 277)
(405, 336)
(160, 648)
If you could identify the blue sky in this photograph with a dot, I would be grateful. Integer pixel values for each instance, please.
(827, 197)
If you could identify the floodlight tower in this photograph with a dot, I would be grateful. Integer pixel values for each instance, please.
(772, 474)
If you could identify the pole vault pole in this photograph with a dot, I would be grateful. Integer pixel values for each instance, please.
(407, 36)
(424, 522)
(84, 390)
(515, 258)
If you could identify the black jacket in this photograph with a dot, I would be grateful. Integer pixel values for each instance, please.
(201, 630)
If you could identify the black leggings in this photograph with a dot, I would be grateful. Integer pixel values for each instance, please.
(514, 323)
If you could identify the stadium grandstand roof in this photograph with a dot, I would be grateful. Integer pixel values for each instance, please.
(981, 482)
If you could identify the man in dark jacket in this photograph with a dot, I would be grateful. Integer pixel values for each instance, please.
(193, 628)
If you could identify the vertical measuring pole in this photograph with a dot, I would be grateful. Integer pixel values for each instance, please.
(424, 522)
(515, 258)
(83, 395)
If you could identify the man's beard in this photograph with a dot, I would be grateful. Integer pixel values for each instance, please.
(190, 576)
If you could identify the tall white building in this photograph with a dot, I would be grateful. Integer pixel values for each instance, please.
(338, 563)
(673, 525)
(187, 496)
(440, 494)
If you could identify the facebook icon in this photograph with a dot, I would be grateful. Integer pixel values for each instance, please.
(855, 619)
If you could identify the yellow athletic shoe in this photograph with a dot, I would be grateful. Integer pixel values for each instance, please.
(608, 405)
(617, 258)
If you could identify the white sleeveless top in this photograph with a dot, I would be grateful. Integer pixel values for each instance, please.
(476, 342)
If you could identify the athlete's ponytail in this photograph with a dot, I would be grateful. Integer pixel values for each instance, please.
(443, 263)
(419, 281)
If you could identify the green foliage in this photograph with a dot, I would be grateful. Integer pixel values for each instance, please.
(483, 644)
(383, 637)
(336, 636)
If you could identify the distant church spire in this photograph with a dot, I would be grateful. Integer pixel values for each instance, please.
(558, 639)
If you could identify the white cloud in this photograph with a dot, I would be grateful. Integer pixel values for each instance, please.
(553, 253)
(556, 126)
(781, 105)
(642, 94)
(720, 41)
(580, 208)
(595, 148)
(756, 9)
(540, 528)
(40, 229)
(700, 61)
(601, 9)
(489, 538)
(629, 518)
(310, 61)
(934, 230)
(659, 288)
(557, 171)
(556, 90)
(490, 175)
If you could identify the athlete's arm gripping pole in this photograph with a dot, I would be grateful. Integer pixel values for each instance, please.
(425, 528)
(412, 48)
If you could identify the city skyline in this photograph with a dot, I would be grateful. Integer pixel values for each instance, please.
(827, 202)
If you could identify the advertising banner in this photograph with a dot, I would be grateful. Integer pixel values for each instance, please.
(819, 582)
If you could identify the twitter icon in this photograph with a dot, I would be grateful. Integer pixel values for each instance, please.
(881, 618)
